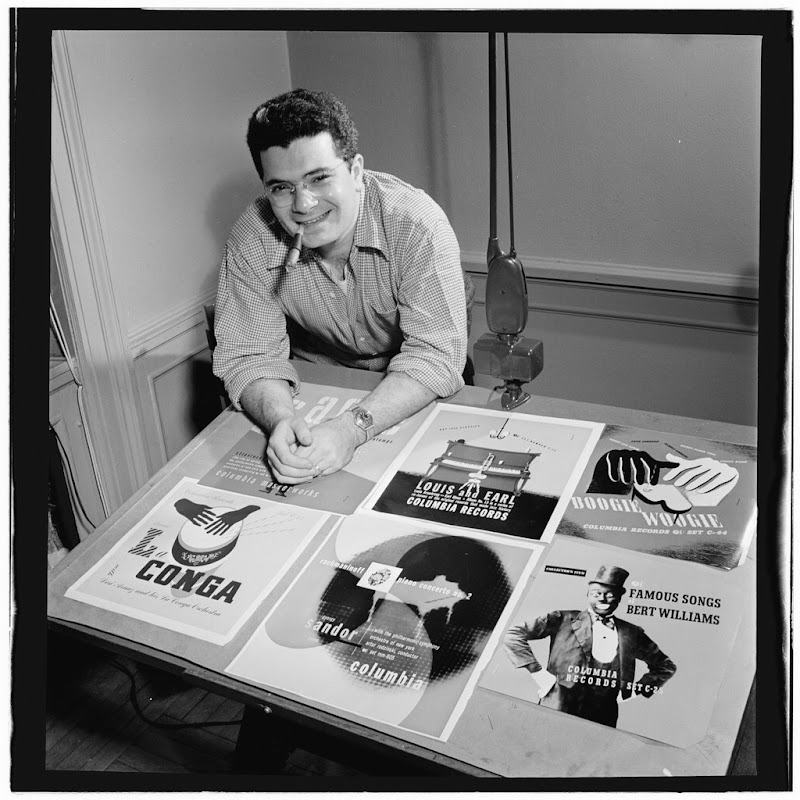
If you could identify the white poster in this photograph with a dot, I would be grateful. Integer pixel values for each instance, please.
(200, 562)
(622, 639)
(391, 620)
(495, 471)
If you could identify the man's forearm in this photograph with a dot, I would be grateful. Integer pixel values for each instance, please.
(268, 401)
(395, 398)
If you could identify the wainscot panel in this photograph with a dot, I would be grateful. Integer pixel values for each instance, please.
(178, 393)
(670, 351)
(65, 417)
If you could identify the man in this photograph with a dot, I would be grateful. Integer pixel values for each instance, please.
(378, 285)
(592, 654)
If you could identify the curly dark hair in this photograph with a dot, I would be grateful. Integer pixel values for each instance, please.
(296, 114)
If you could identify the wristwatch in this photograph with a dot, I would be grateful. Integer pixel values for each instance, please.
(363, 420)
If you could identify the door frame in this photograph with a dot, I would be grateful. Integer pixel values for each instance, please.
(104, 360)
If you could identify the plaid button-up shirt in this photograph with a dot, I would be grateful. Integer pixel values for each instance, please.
(401, 309)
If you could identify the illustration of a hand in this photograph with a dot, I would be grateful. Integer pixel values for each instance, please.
(225, 521)
(194, 512)
(619, 470)
(705, 481)
(669, 497)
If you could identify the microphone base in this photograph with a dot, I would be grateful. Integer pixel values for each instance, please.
(515, 360)
(513, 396)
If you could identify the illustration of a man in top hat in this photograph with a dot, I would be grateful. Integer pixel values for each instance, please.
(593, 654)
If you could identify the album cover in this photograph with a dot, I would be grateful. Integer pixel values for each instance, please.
(243, 468)
(501, 472)
(390, 620)
(667, 494)
(621, 639)
(200, 562)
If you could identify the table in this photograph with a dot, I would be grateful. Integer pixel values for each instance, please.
(480, 745)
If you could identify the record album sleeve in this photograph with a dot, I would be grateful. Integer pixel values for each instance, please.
(200, 562)
(243, 468)
(501, 472)
(391, 620)
(667, 494)
(621, 639)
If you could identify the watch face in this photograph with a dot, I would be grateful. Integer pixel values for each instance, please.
(363, 418)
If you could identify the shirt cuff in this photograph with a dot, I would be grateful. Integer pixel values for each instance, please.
(439, 378)
(236, 383)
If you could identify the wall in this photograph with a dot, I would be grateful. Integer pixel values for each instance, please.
(164, 115)
(636, 164)
(636, 178)
(628, 149)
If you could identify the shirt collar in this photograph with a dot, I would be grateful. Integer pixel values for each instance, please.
(369, 232)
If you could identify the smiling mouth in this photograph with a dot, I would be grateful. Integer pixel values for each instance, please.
(310, 222)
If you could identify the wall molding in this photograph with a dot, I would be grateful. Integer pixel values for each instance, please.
(629, 276)
(664, 298)
(60, 375)
(158, 331)
(599, 280)
(103, 355)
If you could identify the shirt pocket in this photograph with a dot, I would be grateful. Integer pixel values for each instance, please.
(379, 309)
(382, 329)
(383, 307)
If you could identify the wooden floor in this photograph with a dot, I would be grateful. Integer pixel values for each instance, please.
(92, 725)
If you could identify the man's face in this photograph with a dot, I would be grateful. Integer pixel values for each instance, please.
(603, 600)
(328, 208)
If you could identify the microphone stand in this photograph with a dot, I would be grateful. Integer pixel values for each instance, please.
(506, 354)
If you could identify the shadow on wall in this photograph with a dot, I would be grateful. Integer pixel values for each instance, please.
(190, 400)
(208, 397)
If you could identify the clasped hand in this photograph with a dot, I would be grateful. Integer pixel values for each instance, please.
(297, 453)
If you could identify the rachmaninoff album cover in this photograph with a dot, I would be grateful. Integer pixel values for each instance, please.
(390, 619)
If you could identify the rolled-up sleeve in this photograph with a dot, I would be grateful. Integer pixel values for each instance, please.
(433, 312)
(250, 328)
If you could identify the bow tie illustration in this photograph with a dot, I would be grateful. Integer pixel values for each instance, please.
(607, 621)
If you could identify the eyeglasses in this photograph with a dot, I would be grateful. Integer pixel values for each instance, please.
(319, 184)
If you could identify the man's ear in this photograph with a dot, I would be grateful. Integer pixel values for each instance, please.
(357, 171)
